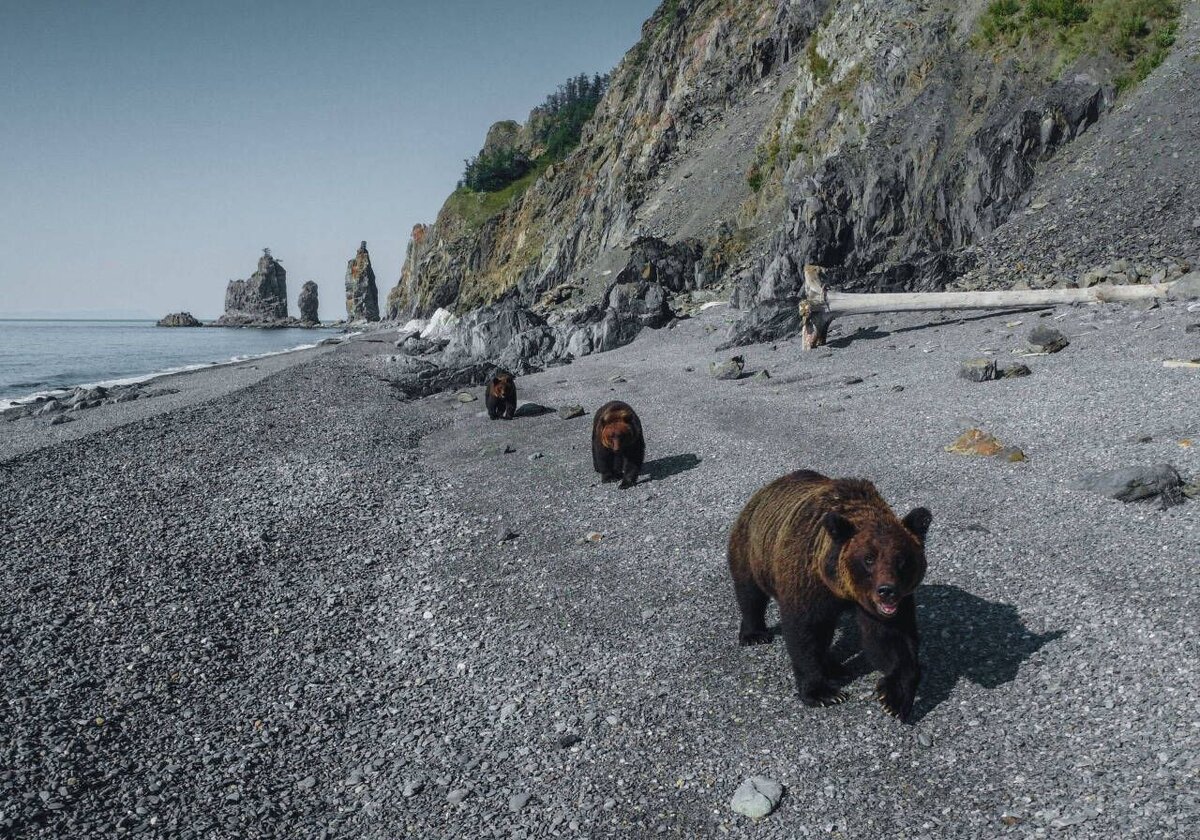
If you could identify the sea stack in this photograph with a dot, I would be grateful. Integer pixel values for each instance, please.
(362, 298)
(260, 301)
(179, 319)
(308, 303)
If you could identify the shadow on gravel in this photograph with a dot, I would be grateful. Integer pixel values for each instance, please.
(661, 468)
(873, 332)
(962, 635)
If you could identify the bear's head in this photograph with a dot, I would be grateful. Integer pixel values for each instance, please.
(878, 559)
(503, 385)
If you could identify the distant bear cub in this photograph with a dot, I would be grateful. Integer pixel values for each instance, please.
(618, 448)
(820, 546)
(501, 396)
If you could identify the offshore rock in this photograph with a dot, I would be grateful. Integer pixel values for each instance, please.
(260, 301)
(179, 319)
(362, 297)
(308, 303)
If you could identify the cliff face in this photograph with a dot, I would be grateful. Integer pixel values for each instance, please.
(739, 140)
(260, 300)
(362, 296)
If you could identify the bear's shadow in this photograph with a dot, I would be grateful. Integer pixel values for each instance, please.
(962, 636)
(661, 468)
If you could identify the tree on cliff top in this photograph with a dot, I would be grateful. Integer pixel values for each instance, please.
(562, 117)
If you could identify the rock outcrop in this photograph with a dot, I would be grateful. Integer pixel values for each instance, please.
(362, 297)
(737, 142)
(307, 304)
(179, 319)
(260, 301)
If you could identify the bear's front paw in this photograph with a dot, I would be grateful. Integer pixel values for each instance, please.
(754, 637)
(896, 696)
(609, 479)
(625, 484)
(822, 694)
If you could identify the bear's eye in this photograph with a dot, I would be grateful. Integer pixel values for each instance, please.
(869, 560)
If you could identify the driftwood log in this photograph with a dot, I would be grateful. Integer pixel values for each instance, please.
(821, 306)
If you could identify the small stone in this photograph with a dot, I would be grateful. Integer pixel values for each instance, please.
(1131, 484)
(412, 787)
(924, 740)
(465, 397)
(568, 740)
(731, 369)
(897, 388)
(518, 801)
(763, 375)
(307, 783)
(456, 797)
(978, 370)
(1192, 329)
(570, 412)
(504, 534)
(852, 380)
(533, 456)
(978, 442)
(59, 419)
(1043, 339)
(593, 537)
(756, 797)
(617, 378)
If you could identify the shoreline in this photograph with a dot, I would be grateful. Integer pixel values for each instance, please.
(186, 388)
(141, 379)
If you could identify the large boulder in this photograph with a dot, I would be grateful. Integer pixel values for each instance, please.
(362, 296)
(259, 301)
(308, 303)
(179, 319)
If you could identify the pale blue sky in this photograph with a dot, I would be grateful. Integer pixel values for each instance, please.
(149, 150)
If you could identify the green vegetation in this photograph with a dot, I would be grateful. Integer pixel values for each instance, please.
(494, 171)
(490, 181)
(475, 208)
(817, 63)
(1138, 32)
(565, 111)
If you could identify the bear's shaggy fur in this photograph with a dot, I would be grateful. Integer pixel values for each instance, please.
(820, 546)
(501, 396)
(618, 448)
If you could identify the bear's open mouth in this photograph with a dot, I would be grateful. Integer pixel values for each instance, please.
(886, 609)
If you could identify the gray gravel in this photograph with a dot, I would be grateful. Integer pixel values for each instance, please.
(269, 614)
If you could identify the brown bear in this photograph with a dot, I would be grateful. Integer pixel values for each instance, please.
(501, 396)
(618, 448)
(820, 546)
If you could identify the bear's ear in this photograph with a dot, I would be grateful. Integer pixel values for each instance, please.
(838, 526)
(918, 521)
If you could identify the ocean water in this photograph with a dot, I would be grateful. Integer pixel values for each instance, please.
(42, 356)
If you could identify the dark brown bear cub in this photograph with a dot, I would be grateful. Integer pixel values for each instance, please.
(501, 396)
(618, 448)
(820, 546)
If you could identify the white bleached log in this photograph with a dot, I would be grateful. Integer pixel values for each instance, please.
(821, 306)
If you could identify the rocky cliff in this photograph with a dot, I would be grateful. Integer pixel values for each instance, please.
(260, 300)
(362, 296)
(737, 141)
(308, 304)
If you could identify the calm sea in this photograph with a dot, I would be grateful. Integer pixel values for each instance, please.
(40, 356)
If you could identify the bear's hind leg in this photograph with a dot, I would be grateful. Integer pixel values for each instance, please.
(807, 639)
(752, 602)
(892, 648)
